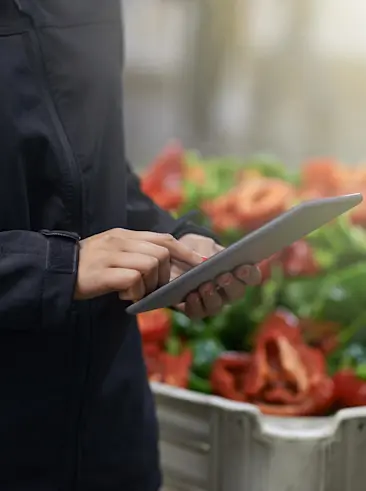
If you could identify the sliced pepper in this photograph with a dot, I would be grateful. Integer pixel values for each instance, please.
(174, 369)
(286, 377)
(350, 379)
(154, 326)
(258, 201)
(152, 353)
(228, 375)
(172, 366)
(350, 390)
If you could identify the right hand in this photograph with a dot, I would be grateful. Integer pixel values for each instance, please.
(128, 262)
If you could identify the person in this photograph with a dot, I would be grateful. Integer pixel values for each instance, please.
(78, 242)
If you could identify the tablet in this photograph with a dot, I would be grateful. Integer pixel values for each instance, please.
(251, 249)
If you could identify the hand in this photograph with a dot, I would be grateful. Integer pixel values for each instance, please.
(128, 262)
(211, 297)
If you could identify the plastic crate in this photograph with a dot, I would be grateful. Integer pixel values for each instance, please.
(211, 444)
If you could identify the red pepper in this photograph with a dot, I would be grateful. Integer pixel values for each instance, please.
(154, 326)
(266, 266)
(350, 391)
(152, 355)
(174, 369)
(298, 260)
(163, 180)
(258, 201)
(222, 214)
(325, 175)
(285, 376)
(227, 377)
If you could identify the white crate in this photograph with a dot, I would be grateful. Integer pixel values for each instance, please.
(211, 444)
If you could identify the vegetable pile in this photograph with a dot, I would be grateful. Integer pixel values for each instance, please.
(295, 345)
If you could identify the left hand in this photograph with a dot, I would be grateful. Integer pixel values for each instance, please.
(211, 297)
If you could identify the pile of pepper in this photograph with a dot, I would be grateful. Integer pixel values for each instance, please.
(296, 345)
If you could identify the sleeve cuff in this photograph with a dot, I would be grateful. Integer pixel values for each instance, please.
(185, 227)
(62, 259)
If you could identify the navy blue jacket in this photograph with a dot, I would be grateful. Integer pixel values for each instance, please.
(76, 411)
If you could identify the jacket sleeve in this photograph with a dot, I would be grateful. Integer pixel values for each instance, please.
(37, 278)
(144, 214)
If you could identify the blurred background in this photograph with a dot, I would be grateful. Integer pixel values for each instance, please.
(241, 76)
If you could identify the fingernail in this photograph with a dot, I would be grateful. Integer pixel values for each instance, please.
(197, 258)
(225, 280)
(193, 297)
(243, 273)
(208, 289)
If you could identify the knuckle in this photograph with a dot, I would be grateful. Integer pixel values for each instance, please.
(115, 233)
(164, 254)
(108, 236)
(135, 276)
(153, 263)
(168, 238)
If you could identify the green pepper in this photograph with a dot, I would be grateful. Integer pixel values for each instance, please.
(361, 371)
(352, 356)
(205, 352)
(173, 346)
(300, 295)
(219, 180)
(264, 300)
(186, 328)
(341, 297)
(269, 166)
(236, 325)
(199, 384)
(338, 244)
(233, 326)
(230, 236)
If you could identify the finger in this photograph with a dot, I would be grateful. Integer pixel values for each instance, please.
(193, 306)
(146, 248)
(211, 299)
(161, 253)
(232, 287)
(126, 281)
(180, 307)
(178, 268)
(177, 249)
(250, 275)
(147, 266)
(136, 292)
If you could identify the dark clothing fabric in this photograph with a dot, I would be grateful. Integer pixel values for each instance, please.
(76, 412)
